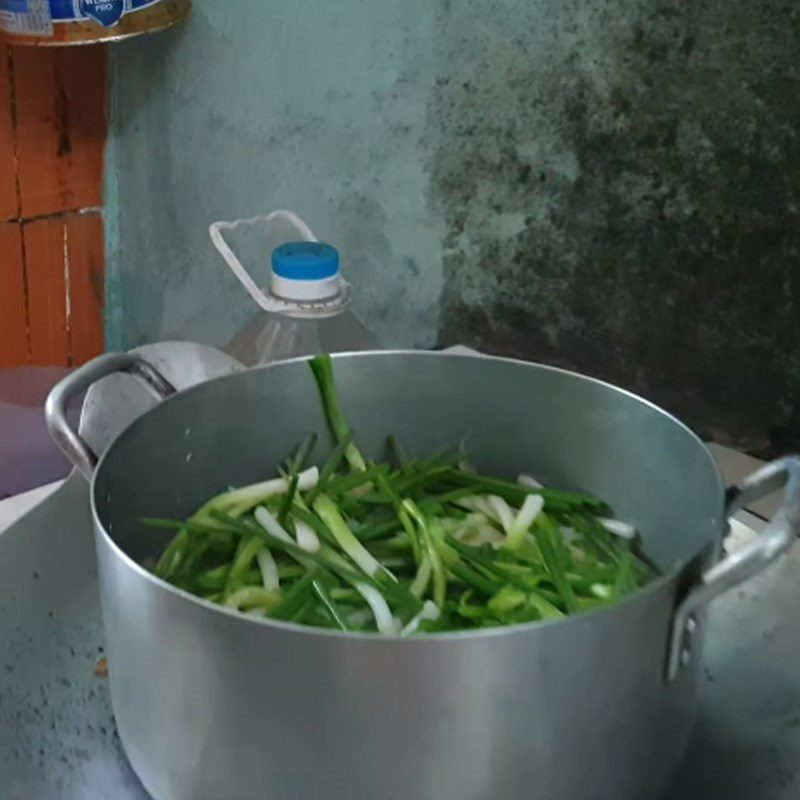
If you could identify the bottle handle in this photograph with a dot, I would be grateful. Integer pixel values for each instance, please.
(215, 232)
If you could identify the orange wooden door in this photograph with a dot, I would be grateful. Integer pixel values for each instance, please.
(52, 135)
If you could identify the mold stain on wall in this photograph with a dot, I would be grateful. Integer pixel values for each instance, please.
(619, 184)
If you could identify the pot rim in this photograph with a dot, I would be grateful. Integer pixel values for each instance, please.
(660, 584)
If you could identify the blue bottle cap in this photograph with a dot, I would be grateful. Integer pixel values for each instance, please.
(305, 261)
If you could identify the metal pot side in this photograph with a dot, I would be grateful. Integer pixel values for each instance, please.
(212, 705)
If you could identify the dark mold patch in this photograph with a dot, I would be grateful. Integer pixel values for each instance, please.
(620, 185)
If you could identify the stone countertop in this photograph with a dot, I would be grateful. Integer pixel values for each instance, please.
(12, 508)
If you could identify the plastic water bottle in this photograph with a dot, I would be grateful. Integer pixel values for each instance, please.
(306, 309)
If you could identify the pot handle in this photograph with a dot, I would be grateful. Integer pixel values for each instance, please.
(771, 543)
(69, 441)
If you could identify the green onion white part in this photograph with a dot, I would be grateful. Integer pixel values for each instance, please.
(385, 622)
(569, 534)
(307, 538)
(269, 570)
(250, 496)
(618, 527)
(479, 505)
(502, 510)
(271, 525)
(329, 514)
(521, 524)
(430, 611)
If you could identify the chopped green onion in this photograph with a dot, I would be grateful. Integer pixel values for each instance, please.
(522, 522)
(330, 467)
(385, 622)
(307, 537)
(430, 611)
(322, 368)
(423, 545)
(271, 525)
(329, 514)
(250, 496)
(287, 499)
(251, 597)
(618, 527)
(269, 569)
(330, 605)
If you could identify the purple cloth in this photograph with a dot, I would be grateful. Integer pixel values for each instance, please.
(28, 458)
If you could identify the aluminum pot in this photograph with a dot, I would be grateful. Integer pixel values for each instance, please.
(212, 705)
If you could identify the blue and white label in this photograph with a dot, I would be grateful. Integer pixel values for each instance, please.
(38, 16)
(106, 12)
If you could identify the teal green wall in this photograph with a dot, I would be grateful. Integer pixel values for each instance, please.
(255, 105)
(608, 185)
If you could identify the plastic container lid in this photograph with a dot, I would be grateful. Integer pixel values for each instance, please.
(305, 271)
(305, 261)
